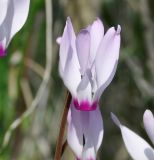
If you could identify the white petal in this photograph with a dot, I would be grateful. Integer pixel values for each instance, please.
(107, 57)
(75, 132)
(69, 65)
(3, 10)
(96, 35)
(15, 18)
(137, 147)
(148, 120)
(83, 49)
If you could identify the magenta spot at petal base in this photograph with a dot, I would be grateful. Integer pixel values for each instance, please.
(85, 105)
(2, 51)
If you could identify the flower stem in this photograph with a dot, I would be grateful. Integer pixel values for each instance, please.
(58, 151)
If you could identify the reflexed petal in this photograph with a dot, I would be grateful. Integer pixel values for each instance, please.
(68, 65)
(3, 10)
(100, 90)
(137, 147)
(107, 57)
(67, 43)
(75, 133)
(71, 77)
(96, 35)
(15, 18)
(83, 49)
(93, 133)
(148, 120)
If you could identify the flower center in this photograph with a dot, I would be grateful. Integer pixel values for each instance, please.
(85, 105)
(2, 51)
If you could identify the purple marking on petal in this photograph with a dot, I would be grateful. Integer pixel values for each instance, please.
(85, 105)
(2, 51)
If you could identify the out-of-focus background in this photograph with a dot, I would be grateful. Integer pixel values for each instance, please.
(22, 70)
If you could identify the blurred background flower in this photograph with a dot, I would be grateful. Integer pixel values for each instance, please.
(136, 146)
(13, 17)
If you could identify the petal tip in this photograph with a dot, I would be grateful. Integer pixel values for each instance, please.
(68, 19)
(147, 111)
(118, 29)
(98, 19)
(147, 115)
(58, 40)
(115, 119)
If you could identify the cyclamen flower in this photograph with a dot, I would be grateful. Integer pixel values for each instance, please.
(87, 65)
(13, 14)
(136, 146)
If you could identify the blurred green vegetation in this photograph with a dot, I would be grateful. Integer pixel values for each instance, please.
(131, 92)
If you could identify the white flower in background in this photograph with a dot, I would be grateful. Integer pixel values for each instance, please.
(13, 14)
(87, 65)
(136, 146)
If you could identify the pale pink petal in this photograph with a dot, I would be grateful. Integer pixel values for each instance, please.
(96, 127)
(93, 133)
(148, 120)
(88, 126)
(17, 12)
(96, 35)
(107, 57)
(83, 49)
(136, 146)
(75, 132)
(68, 65)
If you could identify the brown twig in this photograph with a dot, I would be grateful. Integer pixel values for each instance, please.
(58, 151)
(64, 147)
